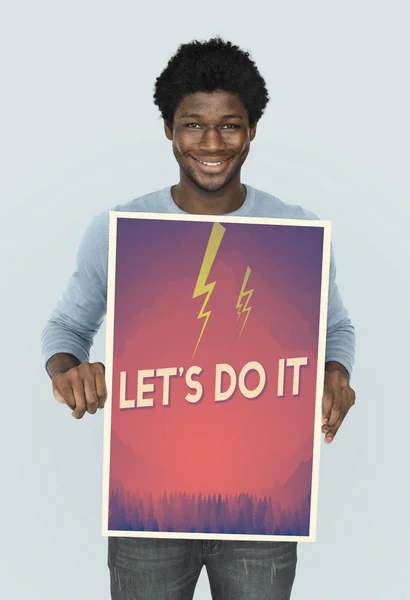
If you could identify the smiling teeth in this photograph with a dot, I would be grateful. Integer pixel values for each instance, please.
(209, 164)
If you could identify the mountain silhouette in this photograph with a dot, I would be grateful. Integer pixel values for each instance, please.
(295, 489)
(303, 454)
(299, 483)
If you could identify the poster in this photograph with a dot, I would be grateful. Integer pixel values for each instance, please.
(216, 333)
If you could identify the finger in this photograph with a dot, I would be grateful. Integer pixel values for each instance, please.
(101, 387)
(63, 393)
(334, 415)
(327, 403)
(91, 398)
(330, 435)
(79, 396)
(331, 431)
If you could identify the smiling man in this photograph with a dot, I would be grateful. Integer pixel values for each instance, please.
(211, 97)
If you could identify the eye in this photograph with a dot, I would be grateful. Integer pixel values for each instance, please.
(193, 125)
(231, 126)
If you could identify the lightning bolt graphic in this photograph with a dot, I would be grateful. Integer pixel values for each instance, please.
(247, 295)
(202, 287)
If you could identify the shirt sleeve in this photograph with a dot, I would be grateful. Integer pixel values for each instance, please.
(80, 311)
(340, 333)
(340, 338)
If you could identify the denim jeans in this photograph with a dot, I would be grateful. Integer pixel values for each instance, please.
(168, 569)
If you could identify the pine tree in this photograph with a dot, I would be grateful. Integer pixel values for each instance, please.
(260, 518)
(240, 528)
(269, 517)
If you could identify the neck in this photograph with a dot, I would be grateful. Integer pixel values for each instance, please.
(191, 199)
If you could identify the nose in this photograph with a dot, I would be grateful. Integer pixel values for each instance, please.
(212, 141)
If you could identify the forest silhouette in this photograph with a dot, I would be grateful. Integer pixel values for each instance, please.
(182, 512)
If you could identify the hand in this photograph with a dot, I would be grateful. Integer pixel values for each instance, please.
(82, 388)
(338, 399)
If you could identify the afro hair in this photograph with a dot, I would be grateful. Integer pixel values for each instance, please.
(214, 65)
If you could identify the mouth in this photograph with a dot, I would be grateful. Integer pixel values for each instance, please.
(212, 166)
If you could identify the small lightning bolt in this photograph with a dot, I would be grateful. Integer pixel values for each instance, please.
(247, 295)
(202, 287)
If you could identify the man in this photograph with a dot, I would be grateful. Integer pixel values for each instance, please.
(211, 97)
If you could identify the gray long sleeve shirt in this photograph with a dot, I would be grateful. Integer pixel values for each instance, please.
(82, 308)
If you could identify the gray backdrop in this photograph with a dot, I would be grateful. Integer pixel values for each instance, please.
(79, 133)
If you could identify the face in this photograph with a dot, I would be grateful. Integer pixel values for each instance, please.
(211, 138)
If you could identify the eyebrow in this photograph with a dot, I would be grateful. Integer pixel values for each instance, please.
(198, 116)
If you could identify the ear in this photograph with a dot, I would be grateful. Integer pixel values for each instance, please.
(168, 130)
(252, 132)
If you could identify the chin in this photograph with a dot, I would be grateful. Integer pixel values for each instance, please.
(211, 186)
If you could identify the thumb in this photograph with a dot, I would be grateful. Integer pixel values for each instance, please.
(58, 396)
